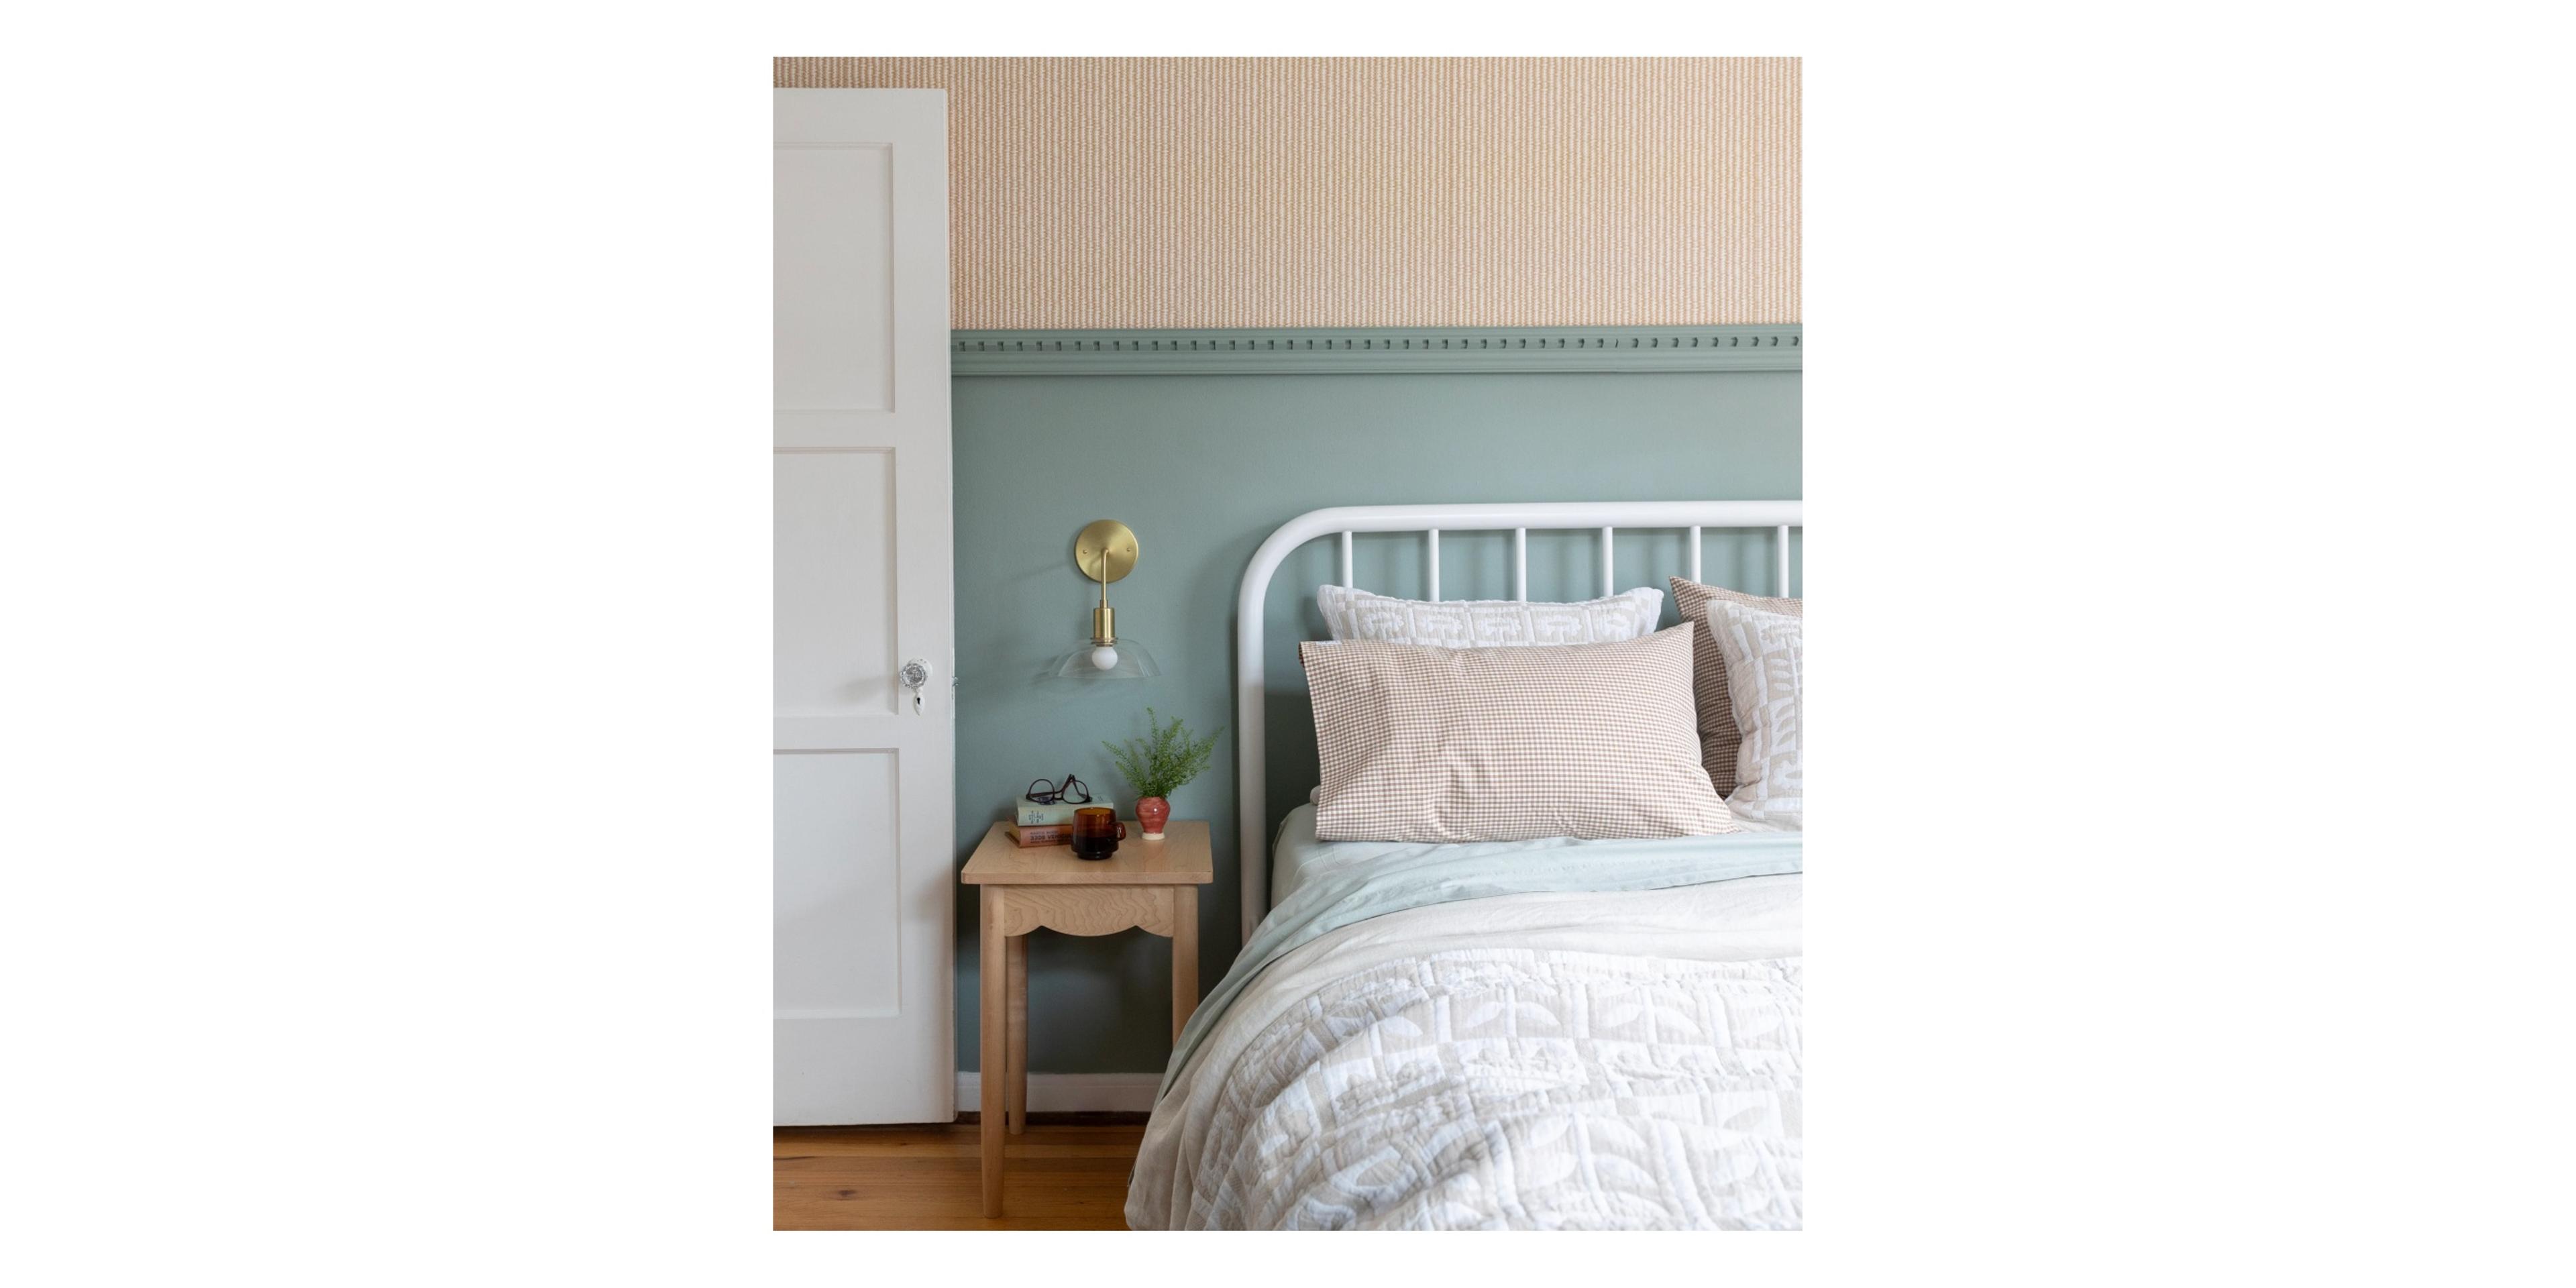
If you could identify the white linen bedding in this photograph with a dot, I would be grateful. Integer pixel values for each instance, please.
(1296, 850)
(1562, 1059)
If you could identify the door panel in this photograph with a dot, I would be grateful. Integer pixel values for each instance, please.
(834, 252)
(833, 562)
(864, 851)
(839, 883)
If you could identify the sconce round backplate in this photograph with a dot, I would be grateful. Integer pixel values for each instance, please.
(1105, 541)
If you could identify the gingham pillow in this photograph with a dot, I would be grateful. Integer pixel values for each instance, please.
(1422, 743)
(1718, 735)
(1488, 623)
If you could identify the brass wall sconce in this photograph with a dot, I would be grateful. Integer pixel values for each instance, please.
(1105, 551)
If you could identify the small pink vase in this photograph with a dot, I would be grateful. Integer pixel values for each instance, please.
(1153, 812)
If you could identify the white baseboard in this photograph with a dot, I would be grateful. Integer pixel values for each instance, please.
(1072, 1093)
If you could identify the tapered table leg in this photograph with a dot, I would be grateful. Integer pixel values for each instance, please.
(1018, 1105)
(1185, 956)
(993, 1019)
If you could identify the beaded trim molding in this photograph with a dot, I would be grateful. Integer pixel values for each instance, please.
(1250, 351)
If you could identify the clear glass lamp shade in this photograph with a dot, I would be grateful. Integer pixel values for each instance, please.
(1127, 659)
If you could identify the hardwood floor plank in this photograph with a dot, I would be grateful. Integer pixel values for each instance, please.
(959, 1141)
(1059, 1177)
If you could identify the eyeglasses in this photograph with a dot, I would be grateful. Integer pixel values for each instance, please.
(1072, 790)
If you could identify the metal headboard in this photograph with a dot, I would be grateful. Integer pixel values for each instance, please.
(1250, 726)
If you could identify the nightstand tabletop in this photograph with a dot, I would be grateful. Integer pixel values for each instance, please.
(1182, 857)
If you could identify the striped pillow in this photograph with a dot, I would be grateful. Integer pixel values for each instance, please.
(1718, 735)
(1508, 744)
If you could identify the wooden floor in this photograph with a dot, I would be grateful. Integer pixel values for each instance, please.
(1063, 1175)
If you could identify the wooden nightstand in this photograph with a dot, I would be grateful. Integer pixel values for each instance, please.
(1152, 884)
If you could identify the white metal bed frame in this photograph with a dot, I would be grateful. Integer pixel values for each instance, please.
(1250, 725)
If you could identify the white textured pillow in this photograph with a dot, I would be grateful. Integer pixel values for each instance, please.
(1764, 672)
(1488, 623)
(1423, 743)
(1717, 732)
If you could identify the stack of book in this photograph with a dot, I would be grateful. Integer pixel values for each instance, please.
(1034, 824)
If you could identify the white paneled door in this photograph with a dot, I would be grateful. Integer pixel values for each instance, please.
(865, 742)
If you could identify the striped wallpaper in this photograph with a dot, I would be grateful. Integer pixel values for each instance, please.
(1238, 192)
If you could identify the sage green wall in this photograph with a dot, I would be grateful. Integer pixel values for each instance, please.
(1203, 468)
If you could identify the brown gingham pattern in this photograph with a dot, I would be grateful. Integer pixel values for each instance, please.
(1718, 735)
(1422, 743)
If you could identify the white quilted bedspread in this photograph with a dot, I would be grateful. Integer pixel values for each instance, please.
(1486, 1065)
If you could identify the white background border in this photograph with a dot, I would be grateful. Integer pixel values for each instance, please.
(2187, 884)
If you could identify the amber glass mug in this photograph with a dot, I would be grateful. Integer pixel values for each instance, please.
(1097, 832)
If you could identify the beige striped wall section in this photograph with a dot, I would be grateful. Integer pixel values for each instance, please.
(1239, 192)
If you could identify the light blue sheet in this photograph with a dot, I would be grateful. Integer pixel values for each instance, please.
(1338, 883)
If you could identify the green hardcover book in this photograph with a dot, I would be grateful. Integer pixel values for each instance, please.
(1032, 814)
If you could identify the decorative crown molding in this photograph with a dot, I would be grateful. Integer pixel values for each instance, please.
(1343, 350)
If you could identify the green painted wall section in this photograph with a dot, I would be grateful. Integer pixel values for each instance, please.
(1203, 468)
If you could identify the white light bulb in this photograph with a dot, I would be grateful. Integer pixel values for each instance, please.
(1104, 657)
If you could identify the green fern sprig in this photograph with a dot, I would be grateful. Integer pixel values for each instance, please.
(1168, 758)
